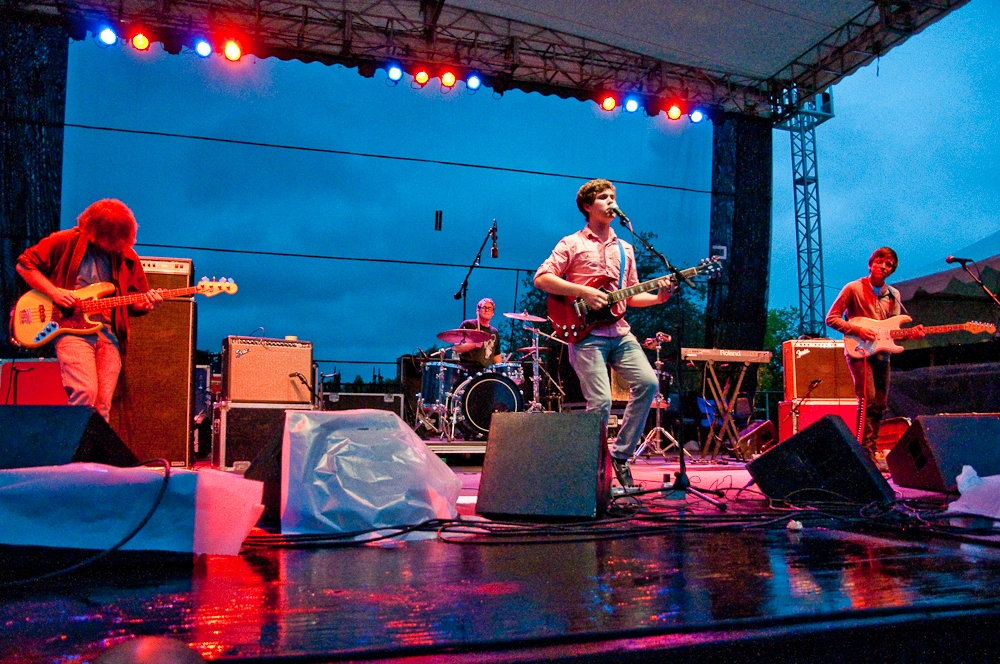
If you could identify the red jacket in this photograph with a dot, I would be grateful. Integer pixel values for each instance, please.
(58, 257)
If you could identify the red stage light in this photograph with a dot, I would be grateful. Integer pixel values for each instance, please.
(422, 76)
(674, 112)
(140, 41)
(609, 103)
(232, 50)
(447, 79)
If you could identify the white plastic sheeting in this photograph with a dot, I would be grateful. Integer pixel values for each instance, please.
(357, 470)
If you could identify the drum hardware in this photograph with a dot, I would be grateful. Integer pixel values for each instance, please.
(653, 438)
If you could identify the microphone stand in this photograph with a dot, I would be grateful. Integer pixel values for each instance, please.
(979, 281)
(463, 290)
(682, 483)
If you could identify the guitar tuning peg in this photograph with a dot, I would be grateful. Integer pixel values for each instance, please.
(203, 279)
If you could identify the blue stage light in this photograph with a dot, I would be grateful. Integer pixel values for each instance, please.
(202, 47)
(395, 73)
(473, 82)
(697, 115)
(631, 104)
(107, 36)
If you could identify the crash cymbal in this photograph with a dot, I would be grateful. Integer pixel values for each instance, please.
(461, 336)
(528, 349)
(525, 316)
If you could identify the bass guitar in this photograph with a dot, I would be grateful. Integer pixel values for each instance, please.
(890, 329)
(572, 319)
(36, 320)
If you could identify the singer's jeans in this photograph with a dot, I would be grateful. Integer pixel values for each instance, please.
(89, 366)
(590, 358)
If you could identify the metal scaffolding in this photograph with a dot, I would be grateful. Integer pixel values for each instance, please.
(801, 127)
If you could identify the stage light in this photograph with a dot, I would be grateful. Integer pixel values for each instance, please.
(421, 77)
(140, 42)
(394, 72)
(202, 47)
(448, 79)
(631, 104)
(609, 103)
(697, 115)
(107, 36)
(674, 112)
(473, 82)
(232, 50)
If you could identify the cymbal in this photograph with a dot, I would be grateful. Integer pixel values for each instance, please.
(461, 336)
(528, 349)
(525, 316)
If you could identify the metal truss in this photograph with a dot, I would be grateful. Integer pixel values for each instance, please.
(801, 127)
(509, 54)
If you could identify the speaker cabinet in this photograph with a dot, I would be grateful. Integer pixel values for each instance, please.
(152, 411)
(812, 410)
(931, 453)
(550, 465)
(256, 370)
(31, 383)
(242, 430)
(55, 435)
(806, 360)
(821, 464)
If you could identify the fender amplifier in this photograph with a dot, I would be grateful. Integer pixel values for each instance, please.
(808, 360)
(256, 370)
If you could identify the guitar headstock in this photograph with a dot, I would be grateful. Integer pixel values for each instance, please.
(975, 327)
(710, 266)
(212, 288)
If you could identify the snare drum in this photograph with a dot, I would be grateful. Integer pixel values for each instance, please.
(439, 379)
(481, 396)
(512, 370)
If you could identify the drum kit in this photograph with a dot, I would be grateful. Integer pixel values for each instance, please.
(454, 403)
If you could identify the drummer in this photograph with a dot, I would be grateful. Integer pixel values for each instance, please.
(478, 356)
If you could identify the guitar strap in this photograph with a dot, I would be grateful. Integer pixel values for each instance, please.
(621, 265)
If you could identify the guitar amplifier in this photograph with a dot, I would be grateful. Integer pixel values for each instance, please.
(806, 360)
(813, 410)
(256, 370)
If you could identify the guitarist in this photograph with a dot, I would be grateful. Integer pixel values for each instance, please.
(98, 249)
(578, 259)
(872, 298)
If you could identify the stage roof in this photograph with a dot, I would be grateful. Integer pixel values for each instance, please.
(760, 57)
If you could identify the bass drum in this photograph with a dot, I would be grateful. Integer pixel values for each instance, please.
(483, 395)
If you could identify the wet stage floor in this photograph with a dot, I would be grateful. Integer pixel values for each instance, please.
(693, 576)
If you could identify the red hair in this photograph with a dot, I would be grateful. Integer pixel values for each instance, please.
(109, 224)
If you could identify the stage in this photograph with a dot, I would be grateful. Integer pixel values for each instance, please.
(656, 579)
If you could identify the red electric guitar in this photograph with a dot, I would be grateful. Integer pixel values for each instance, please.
(572, 319)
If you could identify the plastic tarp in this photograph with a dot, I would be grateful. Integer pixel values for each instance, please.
(356, 470)
(93, 506)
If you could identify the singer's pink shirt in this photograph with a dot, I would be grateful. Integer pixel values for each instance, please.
(582, 256)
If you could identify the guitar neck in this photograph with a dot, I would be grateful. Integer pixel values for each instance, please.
(132, 298)
(932, 329)
(644, 287)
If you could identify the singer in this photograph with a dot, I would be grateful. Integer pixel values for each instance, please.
(595, 251)
(870, 297)
(478, 356)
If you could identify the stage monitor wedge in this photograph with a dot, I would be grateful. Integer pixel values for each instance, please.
(545, 465)
(931, 453)
(56, 435)
(821, 464)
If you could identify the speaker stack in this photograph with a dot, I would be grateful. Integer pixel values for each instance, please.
(806, 361)
(152, 410)
(55, 435)
(931, 453)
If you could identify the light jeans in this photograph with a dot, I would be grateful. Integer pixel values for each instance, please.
(590, 358)
(89, 366)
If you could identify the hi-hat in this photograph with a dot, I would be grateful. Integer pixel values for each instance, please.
(525, 316)
(461, 336)
(530, 349)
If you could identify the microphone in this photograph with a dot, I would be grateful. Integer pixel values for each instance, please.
(493, 252)
(814, 384)
(298, 374)
(960, 261)
(621, 216)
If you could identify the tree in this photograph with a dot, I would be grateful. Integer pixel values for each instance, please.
(782, 325)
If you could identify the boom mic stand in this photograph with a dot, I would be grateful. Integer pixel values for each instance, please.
(463, 290)
(681, 484)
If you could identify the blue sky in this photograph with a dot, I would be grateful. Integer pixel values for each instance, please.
(910, 161)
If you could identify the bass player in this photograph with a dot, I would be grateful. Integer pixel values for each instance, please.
(590, 255)
(97, 249)
(870, 297)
